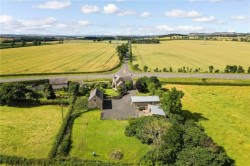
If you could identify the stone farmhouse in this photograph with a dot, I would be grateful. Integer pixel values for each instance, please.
(96, 99)
(119, 81)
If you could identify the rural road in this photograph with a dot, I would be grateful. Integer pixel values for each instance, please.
(124, 70)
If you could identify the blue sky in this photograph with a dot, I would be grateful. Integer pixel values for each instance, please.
(123, 17)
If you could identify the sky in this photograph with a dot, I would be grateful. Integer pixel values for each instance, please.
(123, 17)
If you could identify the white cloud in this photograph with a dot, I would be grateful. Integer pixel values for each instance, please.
(89, 9)
(84, 23)
(145, 14)
(205, 19)
(111, 9)
(183, 13)
(240, 18)
(181, 28)
(5, 19)
(195, 0)
(54, 5)
(126, 12)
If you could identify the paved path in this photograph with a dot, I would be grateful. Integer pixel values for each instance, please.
(124, 70)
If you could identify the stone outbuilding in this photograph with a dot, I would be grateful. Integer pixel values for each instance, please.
(119, 81)
(96, 99)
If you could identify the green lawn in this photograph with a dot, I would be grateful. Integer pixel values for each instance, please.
(111, 93)
(103, 136)
(28, 131)
(228, 116)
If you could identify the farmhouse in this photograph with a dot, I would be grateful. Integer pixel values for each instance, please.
(144, 100)
(119, 81)
(96, 99)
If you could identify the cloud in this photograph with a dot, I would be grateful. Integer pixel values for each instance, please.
(111, 9)
(84, 23)
(240, 18)
(89, 9)
(195, 0)
(204, 19)
(5, 19)
(145, 14)
(183, 13)
(54, 5)
(126, 12)
(216, 0)
(181, 28)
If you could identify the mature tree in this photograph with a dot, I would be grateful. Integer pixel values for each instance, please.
(74, 88)
(240, 69)
(35, 42)
(49, 92)
(248, 70)
(170, 69)
(152, 87)
(145, 68)
(155, 80)
(12, 43)
(84, 90)
(136, 67)
(165, 69)
(211, 68)
(23, 43)
(12, 92)
(171, 101)
(129, 85)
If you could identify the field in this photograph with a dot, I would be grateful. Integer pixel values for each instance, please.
(103, 136)
(28, 131)
(227, 113)
(59, 58)
(191, 53)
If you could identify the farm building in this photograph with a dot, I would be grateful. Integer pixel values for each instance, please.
(58, 83)
(155, 110)
(144, 100)
(96, 99)
(119, 81)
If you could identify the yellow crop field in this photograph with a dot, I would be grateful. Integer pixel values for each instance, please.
(192, 53)
(226, 116)
(59, 58)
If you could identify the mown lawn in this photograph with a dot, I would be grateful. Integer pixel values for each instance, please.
(191, 53)
(227, 111)
(29, 131)
(103, 136)
(59, 58)
(111, 93)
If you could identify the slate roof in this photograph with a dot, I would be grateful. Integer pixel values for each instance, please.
(96, 92)
(140, 99)
(156, 110)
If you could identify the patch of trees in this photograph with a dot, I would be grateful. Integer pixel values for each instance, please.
(234, 69)
(122, 50)
(149, 84)
(15, 92)
(145, 41)
(94, 38)
(177, 140)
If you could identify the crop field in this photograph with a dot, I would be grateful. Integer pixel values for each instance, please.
(90, 134)
(29, 131)
(59, 58)
(191, 53)
(226, 116)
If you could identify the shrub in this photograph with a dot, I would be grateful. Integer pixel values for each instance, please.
(117, 155)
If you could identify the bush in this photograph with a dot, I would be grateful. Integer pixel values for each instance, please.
(117, 155)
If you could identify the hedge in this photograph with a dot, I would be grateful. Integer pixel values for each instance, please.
(15, 160)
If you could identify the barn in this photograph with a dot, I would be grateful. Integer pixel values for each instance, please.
(145, 100)
(96, 99)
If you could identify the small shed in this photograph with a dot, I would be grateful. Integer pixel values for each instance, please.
(145, 100)
(96, 99)
(156, 110)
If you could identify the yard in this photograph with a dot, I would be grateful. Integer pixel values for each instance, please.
(224, 113)
(192, 54)
(111, 93)
(29, 131)
(59, 58)
(90, 134)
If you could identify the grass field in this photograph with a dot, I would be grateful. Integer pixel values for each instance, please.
(191, 53)
(28, 131)
(60, 58)
(228, 116)
(103, 136)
